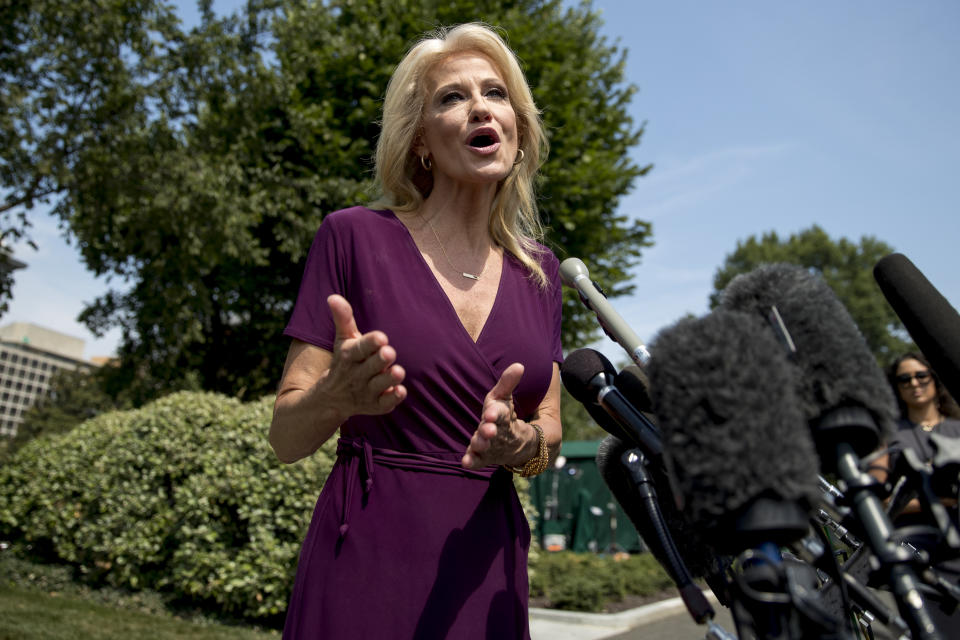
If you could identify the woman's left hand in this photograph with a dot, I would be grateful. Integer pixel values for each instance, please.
(500, 438)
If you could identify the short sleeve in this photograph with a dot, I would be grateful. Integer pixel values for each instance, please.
(556, 307)
(323, 275)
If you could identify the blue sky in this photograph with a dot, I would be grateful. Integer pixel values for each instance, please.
(759, 116)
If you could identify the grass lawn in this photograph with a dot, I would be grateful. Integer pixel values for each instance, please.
(30, 614)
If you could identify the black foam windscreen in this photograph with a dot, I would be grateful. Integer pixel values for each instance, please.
(733, 432)
(932, 322)
(579, 375)
(579, 370)
(838, 370)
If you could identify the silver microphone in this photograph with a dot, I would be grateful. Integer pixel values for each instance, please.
(574, 274)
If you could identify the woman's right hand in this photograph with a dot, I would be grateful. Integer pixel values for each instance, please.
(319, 390)
(363, 377)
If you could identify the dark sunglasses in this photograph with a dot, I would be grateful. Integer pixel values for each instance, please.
(923, 377)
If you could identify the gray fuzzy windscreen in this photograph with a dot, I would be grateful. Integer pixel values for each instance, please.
(732, 427)
(837, 367)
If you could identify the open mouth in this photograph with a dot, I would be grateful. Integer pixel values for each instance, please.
(482, 138)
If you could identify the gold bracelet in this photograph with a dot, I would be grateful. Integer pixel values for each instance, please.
(538, 463)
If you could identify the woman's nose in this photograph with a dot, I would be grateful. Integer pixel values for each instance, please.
(479, 111)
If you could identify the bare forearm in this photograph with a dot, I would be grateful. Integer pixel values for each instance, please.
(302, 421)
(552, 431)
(320, 389)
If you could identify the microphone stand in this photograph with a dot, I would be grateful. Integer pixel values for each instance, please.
(833, 434)
(775, 595)
(700, 610)
(843, 586)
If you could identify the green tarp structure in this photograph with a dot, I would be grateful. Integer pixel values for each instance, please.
(577, 510)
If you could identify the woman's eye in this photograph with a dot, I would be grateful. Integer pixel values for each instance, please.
(453, 96)
(497, 92)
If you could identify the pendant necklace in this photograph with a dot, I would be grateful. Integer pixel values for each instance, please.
(471, 276)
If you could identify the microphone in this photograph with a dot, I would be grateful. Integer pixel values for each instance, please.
(624, 469)
(634, 384)
(738, 448)
(931, 321)
(590, 378)
(587, 375)
(843, 393)
(735, 441)
(697, 558)
(575, 275)
(846, 400)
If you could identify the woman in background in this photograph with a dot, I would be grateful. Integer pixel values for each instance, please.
(926, 408)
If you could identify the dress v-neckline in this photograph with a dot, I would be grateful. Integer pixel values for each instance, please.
(450, 306)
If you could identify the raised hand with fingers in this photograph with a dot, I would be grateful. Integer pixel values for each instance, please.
(364, 377)
(319, 390)
(500, 437)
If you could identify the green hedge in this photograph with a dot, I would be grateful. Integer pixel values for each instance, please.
(588, 582)
(183, 496)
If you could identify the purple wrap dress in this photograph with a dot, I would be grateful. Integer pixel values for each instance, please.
(404, 543)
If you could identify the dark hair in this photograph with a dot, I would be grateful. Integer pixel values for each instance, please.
(945, 402)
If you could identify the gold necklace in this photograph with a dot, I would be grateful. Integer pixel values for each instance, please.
(471, 276)
(931, 425)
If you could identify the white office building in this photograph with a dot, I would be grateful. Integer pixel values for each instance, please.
(29, 356)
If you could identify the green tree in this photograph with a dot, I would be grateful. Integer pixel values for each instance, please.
(78, 82)
(844, 265)
(207, 159)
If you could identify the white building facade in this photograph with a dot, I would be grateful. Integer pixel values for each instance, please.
(29, 356)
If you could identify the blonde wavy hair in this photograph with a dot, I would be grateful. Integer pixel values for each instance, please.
(403, 183)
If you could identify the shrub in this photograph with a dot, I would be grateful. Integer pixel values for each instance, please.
(587, 582)
(183, 495)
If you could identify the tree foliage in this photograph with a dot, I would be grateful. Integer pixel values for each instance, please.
(77, 82)
(195, 166)
(844, 265)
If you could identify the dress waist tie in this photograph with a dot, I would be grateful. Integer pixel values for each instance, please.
(358, 453)
(359, 456)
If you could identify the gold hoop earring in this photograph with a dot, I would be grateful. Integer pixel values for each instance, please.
(426, 163)
(520, 159)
